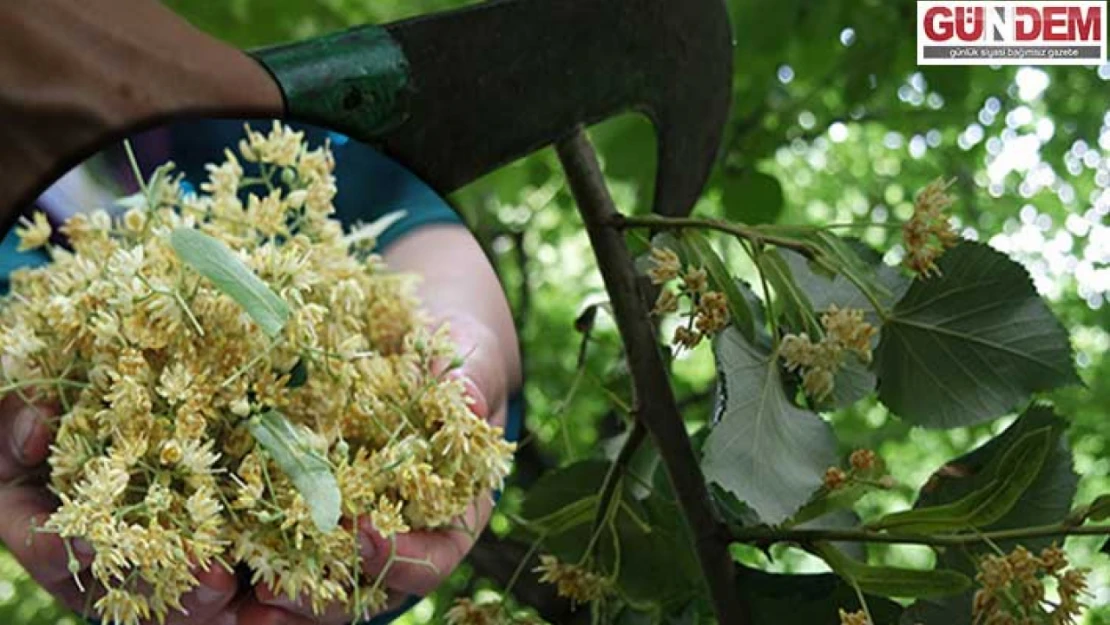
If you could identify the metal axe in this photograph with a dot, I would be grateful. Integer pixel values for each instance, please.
(455, 95)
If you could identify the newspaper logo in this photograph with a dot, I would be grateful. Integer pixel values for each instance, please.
(1011, 33)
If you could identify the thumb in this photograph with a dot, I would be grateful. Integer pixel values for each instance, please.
(24, 436)
(482, 366)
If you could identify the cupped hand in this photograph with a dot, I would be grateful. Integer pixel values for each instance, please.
(426, 557)
(25, 437)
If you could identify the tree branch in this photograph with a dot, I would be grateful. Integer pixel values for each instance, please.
(657, 409)
(765, 535)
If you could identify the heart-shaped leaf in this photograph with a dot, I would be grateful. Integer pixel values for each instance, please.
(765, 450)
(971, 344)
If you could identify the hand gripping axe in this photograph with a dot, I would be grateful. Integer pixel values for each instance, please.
(455, 95)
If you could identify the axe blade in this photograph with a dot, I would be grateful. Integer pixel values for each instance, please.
(456, 95)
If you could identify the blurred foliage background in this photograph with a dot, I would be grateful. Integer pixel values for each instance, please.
(832, 122)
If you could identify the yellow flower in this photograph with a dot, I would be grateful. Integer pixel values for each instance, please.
(666, 303)
(1012, 588)
(665, 265)
(154, 463)
(33, 233)
(712, 313)
(835, 477)
(468, 612)
(572, 581)
(685, 337)
(695, 280)
(863, 459)
(845, 330)
(928, 233)
(854, 618)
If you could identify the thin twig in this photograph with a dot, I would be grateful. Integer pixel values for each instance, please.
(616, 470)
(657, 408)
(747, 233)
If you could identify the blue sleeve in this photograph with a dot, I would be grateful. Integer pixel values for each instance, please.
(11, 259)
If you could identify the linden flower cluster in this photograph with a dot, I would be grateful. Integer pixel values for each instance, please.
(865, 467)
(854, 618)
(928, 233)
(1012, 589)
(845, 331)
(573, 581)
(466, 611)
(708, 312)
(158, 373)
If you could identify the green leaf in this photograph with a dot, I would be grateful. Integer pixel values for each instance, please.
(824, 289)
(701, 253)
(810, 599)
(889, 581)
(794, 303)
(971, 344)
(1006, 479)
(565, 498)
(1047, 500)
(659, 565)
(309, 471)
(763, 449)
(215, 261)
(826, 501)
(648, 538)
(1099, 509)
(731, 510)
(752, 197)
(859, 264)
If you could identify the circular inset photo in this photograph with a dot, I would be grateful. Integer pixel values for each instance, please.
(252, 370)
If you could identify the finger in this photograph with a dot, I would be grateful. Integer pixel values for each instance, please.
(215, 591)
(78, 595)
(43, 555)
(24, 435)
(482, 358)
(334, 614)
(302, 607)
(475, 397)
(427, 557)
(252, 612)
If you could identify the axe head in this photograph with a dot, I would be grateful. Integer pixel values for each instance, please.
(456, 95)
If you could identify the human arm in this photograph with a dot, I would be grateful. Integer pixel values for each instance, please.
(73, 73)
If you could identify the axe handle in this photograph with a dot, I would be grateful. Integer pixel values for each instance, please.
(353, 80)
